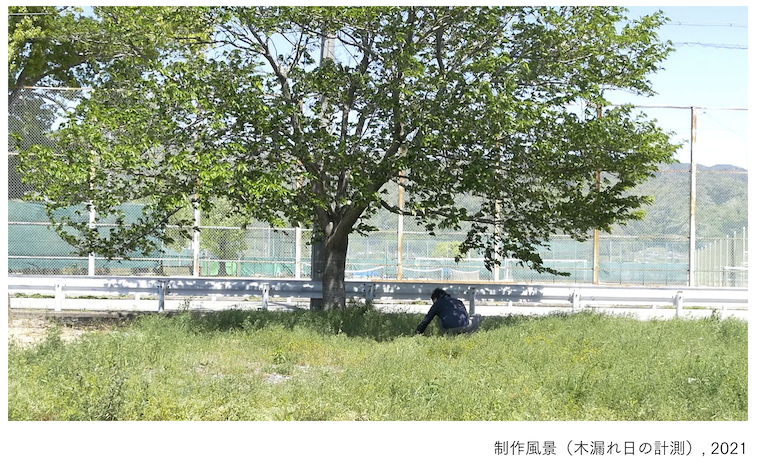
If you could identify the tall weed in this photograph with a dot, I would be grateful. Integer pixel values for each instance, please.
(363, 364)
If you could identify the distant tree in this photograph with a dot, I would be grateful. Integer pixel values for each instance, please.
(462, 100)
(447, 249)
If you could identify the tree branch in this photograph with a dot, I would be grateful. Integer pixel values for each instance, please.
(439, 44)
(437, 212)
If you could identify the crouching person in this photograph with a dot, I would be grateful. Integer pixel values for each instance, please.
(452, 317)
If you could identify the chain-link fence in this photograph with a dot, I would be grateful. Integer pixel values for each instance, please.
(656, 250)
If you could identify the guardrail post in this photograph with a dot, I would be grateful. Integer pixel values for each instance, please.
(679, 302)
(368, 292)
(472, 300)
(162, 296)
(265, 287)
(576, 300)
(58, 296)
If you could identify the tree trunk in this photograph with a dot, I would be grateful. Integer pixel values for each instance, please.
(333, 278)
(334, 240)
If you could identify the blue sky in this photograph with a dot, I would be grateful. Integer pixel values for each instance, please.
(709, 69)
(709, 74)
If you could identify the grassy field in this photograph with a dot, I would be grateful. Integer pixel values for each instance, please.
(367, 365)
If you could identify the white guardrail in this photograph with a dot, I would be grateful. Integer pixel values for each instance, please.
(577, 295)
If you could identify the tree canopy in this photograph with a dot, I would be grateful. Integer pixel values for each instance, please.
(62, 46)
(299, 115)
(58, 47)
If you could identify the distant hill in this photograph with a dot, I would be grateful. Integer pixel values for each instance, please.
(721, 202)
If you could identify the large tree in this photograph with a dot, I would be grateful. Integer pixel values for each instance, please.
(448, 101)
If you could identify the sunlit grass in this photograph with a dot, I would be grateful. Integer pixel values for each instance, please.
(366, 365)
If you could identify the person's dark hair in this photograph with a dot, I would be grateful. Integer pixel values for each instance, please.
(439, 293)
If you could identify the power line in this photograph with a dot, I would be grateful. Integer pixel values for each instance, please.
(728, 25)
(727, 128)
(714, 46)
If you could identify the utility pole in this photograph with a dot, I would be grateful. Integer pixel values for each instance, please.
(693, 194)
(318, 253)
(596, 235)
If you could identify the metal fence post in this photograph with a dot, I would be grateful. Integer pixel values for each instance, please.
(400, 233)
(596, 243)
(743, 258)
(472, 300)
(196, 239)
(91, 256)
(298, 251)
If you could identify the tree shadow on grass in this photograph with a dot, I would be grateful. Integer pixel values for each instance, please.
(358, 321)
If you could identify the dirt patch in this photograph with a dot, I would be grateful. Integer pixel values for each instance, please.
(28, 329)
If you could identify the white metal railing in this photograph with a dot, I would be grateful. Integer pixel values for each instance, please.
(576, 296)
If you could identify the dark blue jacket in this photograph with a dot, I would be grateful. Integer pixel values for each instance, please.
(450, 311)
